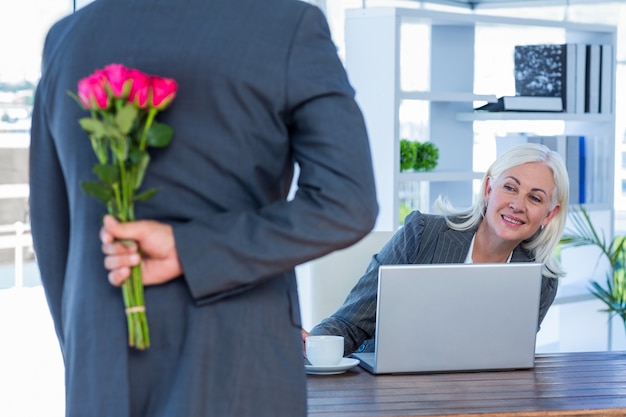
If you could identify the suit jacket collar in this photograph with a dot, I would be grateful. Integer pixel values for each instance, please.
(453, 245)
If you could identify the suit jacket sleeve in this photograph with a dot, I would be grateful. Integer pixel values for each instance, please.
(549, 288)
(335, 204)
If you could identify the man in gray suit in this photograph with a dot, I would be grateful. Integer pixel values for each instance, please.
(260, 87)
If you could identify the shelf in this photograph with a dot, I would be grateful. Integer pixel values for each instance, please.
(440, 176)
(385, 55)
(376, 46)
(510, 115)
(447, 96)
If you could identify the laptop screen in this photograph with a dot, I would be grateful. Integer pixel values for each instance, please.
(456, 317)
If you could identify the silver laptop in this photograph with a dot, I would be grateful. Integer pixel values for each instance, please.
(455, 317)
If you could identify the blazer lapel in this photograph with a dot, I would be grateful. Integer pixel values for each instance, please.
(520, 255)
(453, 246)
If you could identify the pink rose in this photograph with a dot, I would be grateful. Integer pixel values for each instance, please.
(140, 89)
(92, 92)
(163, 92)
(118, 80)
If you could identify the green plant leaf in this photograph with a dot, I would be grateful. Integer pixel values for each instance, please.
(109, 174)
(97, 190)
(607, 296)
(146, 195)
(76, 99)
(426, 156)
(407, 155)
(141, 166)
(95, 127)
(120, 146)
(135, 155)
(100, 149)
(159, 135)
(583, 233)
(125, 118)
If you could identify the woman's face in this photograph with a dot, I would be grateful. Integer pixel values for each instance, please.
(519, 201)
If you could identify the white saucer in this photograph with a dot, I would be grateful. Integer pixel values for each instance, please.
(340, 368)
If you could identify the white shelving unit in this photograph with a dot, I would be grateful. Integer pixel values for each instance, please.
(439, 107)
(376, 45)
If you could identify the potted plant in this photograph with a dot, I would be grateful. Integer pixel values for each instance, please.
(426, 156)
(613, 292)
(418, 156)
(407, 155)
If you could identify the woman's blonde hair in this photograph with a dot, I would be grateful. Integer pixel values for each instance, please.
(542, 244)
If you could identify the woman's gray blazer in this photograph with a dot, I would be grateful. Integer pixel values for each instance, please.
(423, 239)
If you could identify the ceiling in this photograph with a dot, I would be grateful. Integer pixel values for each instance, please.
(477, 4)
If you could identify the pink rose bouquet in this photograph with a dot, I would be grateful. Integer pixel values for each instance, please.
(123, 103)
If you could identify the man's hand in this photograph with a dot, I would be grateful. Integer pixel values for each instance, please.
(149, 242)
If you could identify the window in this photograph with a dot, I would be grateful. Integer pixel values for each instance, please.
(32, 369)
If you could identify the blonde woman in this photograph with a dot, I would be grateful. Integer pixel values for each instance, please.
(519, 218)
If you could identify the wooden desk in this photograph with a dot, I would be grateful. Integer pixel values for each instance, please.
(568, 384)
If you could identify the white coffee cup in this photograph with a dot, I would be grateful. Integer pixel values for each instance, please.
(324, 350)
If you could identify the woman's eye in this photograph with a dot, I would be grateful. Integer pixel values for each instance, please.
(509, 187)
(535, 199)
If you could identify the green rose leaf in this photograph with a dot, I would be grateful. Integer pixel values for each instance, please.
(159, 135)
(100, 149)
(97, 190)
(139, 161)
(146, 195)
(135, 155)
(95, 127)
(125, 118)
(109, 174)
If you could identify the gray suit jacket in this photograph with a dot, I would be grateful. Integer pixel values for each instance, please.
(260, 87)
(424, 239)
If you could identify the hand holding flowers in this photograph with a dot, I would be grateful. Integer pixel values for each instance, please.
(160, 261)
(124, 103)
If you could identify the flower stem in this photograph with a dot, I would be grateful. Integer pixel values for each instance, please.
(129, 320)
(144, 135)
(132, 289)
